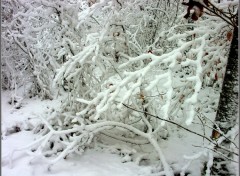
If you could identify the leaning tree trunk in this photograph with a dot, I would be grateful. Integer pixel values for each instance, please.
(228, 106)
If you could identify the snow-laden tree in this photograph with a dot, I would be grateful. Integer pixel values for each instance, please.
(45, 32)
(132, 70)
(15, 65)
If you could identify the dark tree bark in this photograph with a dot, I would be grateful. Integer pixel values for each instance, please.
(228, 105)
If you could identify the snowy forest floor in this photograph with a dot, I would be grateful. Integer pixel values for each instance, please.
(94, 162)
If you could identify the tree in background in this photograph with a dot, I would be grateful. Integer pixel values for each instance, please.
(227, 113)
(225, 128)
(45, 33)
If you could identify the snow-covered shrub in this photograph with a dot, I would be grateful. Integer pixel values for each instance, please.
(108, 72)
(45, 34)
(120, 71)
(128, 67)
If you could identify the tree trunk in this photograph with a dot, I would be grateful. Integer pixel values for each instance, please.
(228, 105)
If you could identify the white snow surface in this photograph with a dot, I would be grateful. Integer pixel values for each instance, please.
(92, 162)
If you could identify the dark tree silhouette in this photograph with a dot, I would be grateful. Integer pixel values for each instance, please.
(228, 104)
(227, 111)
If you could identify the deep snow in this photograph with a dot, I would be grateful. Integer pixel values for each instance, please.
(92, 162)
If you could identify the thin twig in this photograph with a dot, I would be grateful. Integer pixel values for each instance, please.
(213, 9)
(216, 152)
(219, 130)
(213, 142)
(128, 140)
(170, 122)
(204, 133)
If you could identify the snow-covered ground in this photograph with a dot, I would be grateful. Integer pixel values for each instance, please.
(92, 162)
